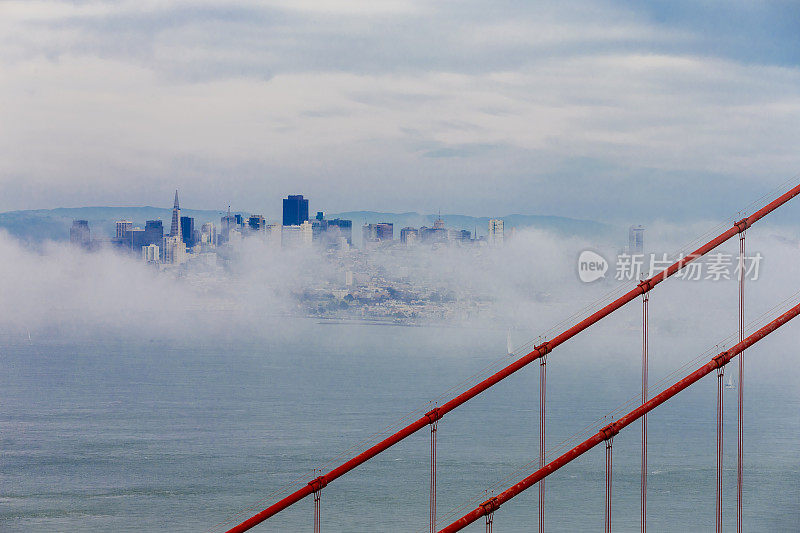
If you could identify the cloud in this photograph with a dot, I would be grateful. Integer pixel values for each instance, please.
(120, 104)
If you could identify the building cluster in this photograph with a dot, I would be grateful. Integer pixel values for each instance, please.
(186, 239)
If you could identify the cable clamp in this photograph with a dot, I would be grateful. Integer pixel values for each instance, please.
(721, 359)
(490, 505)
(433, 415)
(318, 484)
(543, 349)
(609, 431)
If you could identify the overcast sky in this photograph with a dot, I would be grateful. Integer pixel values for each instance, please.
(606, 110)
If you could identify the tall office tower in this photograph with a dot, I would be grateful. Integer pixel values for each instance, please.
(153, 232)
(385, 231)
(123, 226)
(173, 250)
(636, 239)
(187, 231)
(297, 236)
(227, 224)
(208, 234)
(369, 233)
(409, 236)
(458, 235)
(135, 238)
(272, 234)
(257, 223)
(345, 228)
(151, 253)
(295, 210)
(79, 233)
(175, 229)
(495, 231)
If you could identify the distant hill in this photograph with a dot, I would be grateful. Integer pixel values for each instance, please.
(53, 224)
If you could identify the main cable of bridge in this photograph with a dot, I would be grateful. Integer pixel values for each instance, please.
(607, 433)
(538, 352)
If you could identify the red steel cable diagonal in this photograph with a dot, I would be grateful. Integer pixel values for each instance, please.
(539, 351)
(608, 432)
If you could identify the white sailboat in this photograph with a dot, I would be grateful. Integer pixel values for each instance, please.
(509, 344)
(729, 384)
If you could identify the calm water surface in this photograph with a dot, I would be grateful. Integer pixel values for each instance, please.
(156, 435)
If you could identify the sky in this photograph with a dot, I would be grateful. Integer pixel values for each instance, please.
(605, 110)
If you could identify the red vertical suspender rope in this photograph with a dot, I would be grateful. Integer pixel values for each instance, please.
(645, 348)
(740, 387)
(720, 426)
(542, 443)
(538, 352)
(612, 429)
(609, 458)
(433, 477)
(316, 512)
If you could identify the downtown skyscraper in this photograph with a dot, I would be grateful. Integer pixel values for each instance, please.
(175, 228)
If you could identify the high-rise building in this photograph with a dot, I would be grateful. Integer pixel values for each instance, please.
(123, 226)
(227, 224)
(208, 235)
(297, 236)
(135, 238)
(636, 239)
(173, 250)
(150, 253)
(79, 233)
(345, 228)
(458, 235)
(256, 223)
(153, 233)
(175, 228)
(495, 231)
(272, 235)
(409, 236)
(385, 231)
(295, 210)
(369, 233)
(433, 235)
(187, 231)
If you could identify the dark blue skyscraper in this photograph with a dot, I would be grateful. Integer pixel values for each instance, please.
(153, 233)
(295, 210)
(187, 231)
(79, 233)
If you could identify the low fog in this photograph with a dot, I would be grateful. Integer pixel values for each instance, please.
(527, 286)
